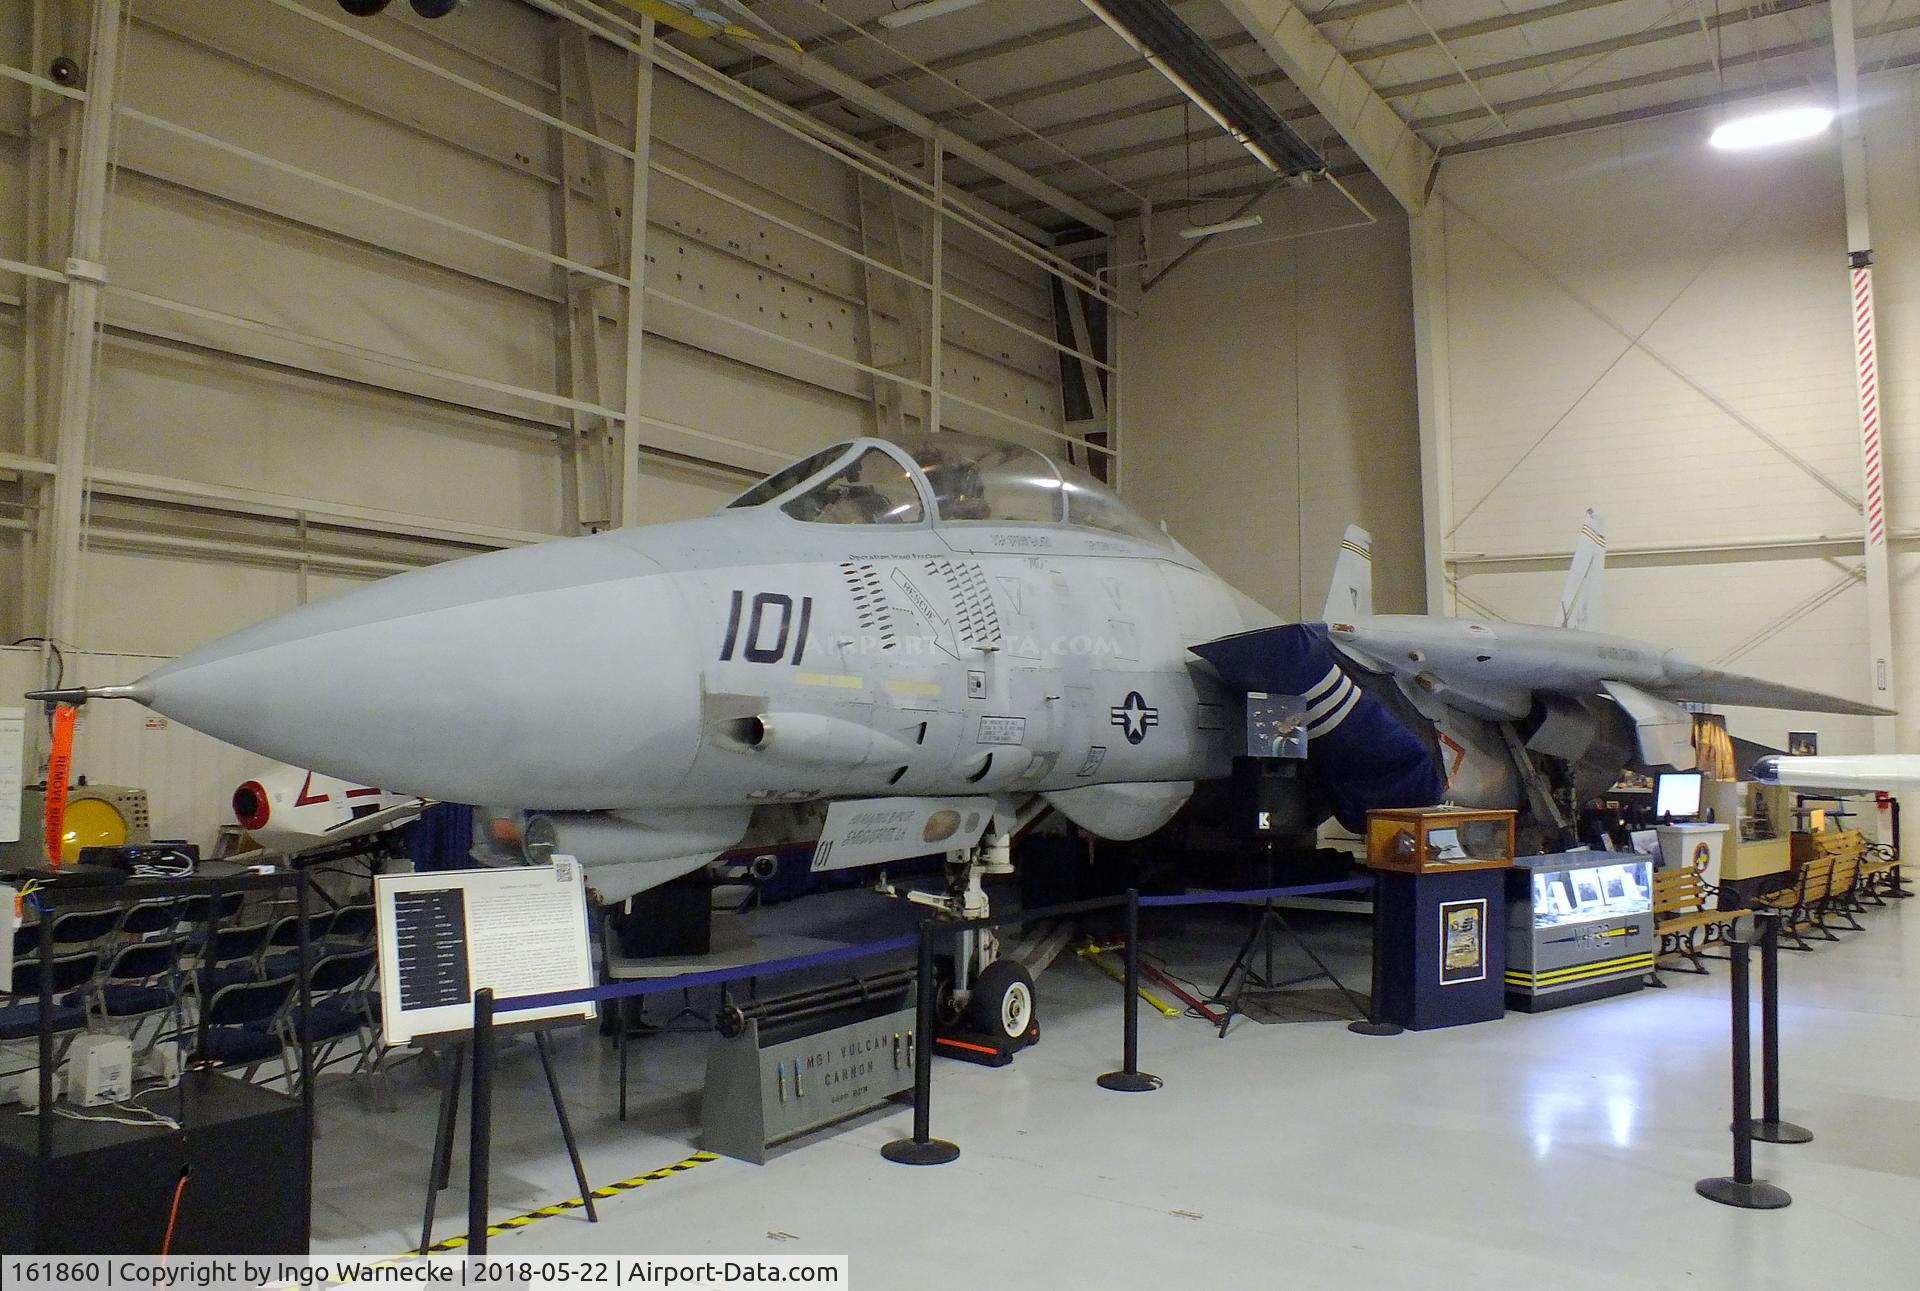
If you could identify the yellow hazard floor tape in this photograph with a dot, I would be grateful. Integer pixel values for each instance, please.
(575, 1203)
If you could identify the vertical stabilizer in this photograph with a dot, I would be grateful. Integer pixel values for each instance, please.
(1351, 595)
(1580, 599)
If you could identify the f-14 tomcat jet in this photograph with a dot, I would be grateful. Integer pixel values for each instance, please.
(1500, 704)
(897, 648)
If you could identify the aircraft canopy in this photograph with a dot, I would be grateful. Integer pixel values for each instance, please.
(959, 478)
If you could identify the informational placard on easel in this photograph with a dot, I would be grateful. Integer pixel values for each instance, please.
(442, 936)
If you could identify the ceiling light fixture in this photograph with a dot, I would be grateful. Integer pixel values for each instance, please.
(1224, 226)
(924, 10)
(1764, 129)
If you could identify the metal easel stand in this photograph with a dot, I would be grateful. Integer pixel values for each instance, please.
(1260, 931)
(477, 1053)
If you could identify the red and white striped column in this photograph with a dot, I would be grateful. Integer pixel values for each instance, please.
(1873, 498)
(1867, 367)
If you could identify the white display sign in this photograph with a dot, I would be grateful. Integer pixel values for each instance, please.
(13, 733)
(874, 831)
(442, 936)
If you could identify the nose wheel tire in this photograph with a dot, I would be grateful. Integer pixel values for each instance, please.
(1002, 1003)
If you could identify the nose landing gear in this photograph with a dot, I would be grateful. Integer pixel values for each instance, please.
(986, 1004)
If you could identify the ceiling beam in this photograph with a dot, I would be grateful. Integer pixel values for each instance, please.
(1398, 157)
(888, 137)
(1686, 30)
(1673, 107)
(912, 71)
(1554, 98)
(1483, 27)
(843, 86)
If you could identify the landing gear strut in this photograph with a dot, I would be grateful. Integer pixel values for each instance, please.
(986, 1003)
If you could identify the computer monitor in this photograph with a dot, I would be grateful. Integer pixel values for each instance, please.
(1677, 794)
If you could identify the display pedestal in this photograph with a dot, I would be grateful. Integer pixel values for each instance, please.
(1700, 846)
(1443, 947)
(108, 1189)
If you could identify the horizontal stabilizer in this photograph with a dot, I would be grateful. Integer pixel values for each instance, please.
(1358, 754)
(1663, 731)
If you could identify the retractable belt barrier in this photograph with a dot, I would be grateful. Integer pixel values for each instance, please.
(922, 1148)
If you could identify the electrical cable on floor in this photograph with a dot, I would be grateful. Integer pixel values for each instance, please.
(173, 1214)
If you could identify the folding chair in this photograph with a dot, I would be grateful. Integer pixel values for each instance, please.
(229, 957)
(71, 928)
(352, 928)
(241, 1026)
(20, 1015)
(140, 982)
(337, 1006)
(281, 954)
(151, 918)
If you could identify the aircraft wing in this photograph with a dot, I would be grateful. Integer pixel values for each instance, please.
(1712, 686)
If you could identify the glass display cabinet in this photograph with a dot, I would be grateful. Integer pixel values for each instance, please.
(1579, 927)
(1433, 840)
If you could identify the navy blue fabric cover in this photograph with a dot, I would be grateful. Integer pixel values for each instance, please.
(1359, 755)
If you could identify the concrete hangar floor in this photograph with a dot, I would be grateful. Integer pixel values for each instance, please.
(1554, 1150)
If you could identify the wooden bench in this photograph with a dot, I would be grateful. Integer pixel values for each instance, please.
(1880, 874)
(1683, 919)
(1802, 899)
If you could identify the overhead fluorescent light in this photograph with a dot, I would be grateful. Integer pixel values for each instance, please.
(1224, 226)
(1764, 129)
(924, 10)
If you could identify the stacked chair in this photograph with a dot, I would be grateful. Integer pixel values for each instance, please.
(209, 976)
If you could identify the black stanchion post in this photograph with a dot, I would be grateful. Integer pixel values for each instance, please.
(480, 1121)
(1130, 1079)
(44, 1122)
(1373, 1025)
(922, 1148)
(1741, 1188)
(1770, 1128)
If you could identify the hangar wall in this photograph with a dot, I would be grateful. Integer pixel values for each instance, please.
(230, 392)
(310, 376)
(1631, 321)
(1267, 395)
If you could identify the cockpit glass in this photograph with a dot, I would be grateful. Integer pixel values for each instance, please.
(1090, 504)
(785, 478)
(874, 488)
(981, 480)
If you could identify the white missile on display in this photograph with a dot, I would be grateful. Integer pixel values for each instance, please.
(292, 811)
(1861, 773)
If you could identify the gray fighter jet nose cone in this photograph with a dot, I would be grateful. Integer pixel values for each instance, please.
(559, 675)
